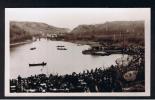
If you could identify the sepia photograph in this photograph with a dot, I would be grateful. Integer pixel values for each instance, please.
(77, 51)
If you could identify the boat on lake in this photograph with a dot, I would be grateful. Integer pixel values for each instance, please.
(38, 64)
(60, 46)
(61, 49)
(33, 48)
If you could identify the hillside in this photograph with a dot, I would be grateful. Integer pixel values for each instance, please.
(110, 28)
(20, 31)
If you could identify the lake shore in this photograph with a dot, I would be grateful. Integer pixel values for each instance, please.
(21, 43)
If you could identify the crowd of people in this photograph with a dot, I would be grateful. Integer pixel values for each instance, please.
(94, 80)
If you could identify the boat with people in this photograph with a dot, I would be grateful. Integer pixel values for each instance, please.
(38, 64)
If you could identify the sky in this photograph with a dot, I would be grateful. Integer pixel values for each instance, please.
(72, 17)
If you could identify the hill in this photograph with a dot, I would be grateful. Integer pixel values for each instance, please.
(20, 31)
(129, 28)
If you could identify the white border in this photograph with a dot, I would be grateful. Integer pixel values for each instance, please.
(147, 68)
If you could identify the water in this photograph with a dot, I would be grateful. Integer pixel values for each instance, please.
(58, 61)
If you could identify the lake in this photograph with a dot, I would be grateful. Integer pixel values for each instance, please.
(58, 61)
